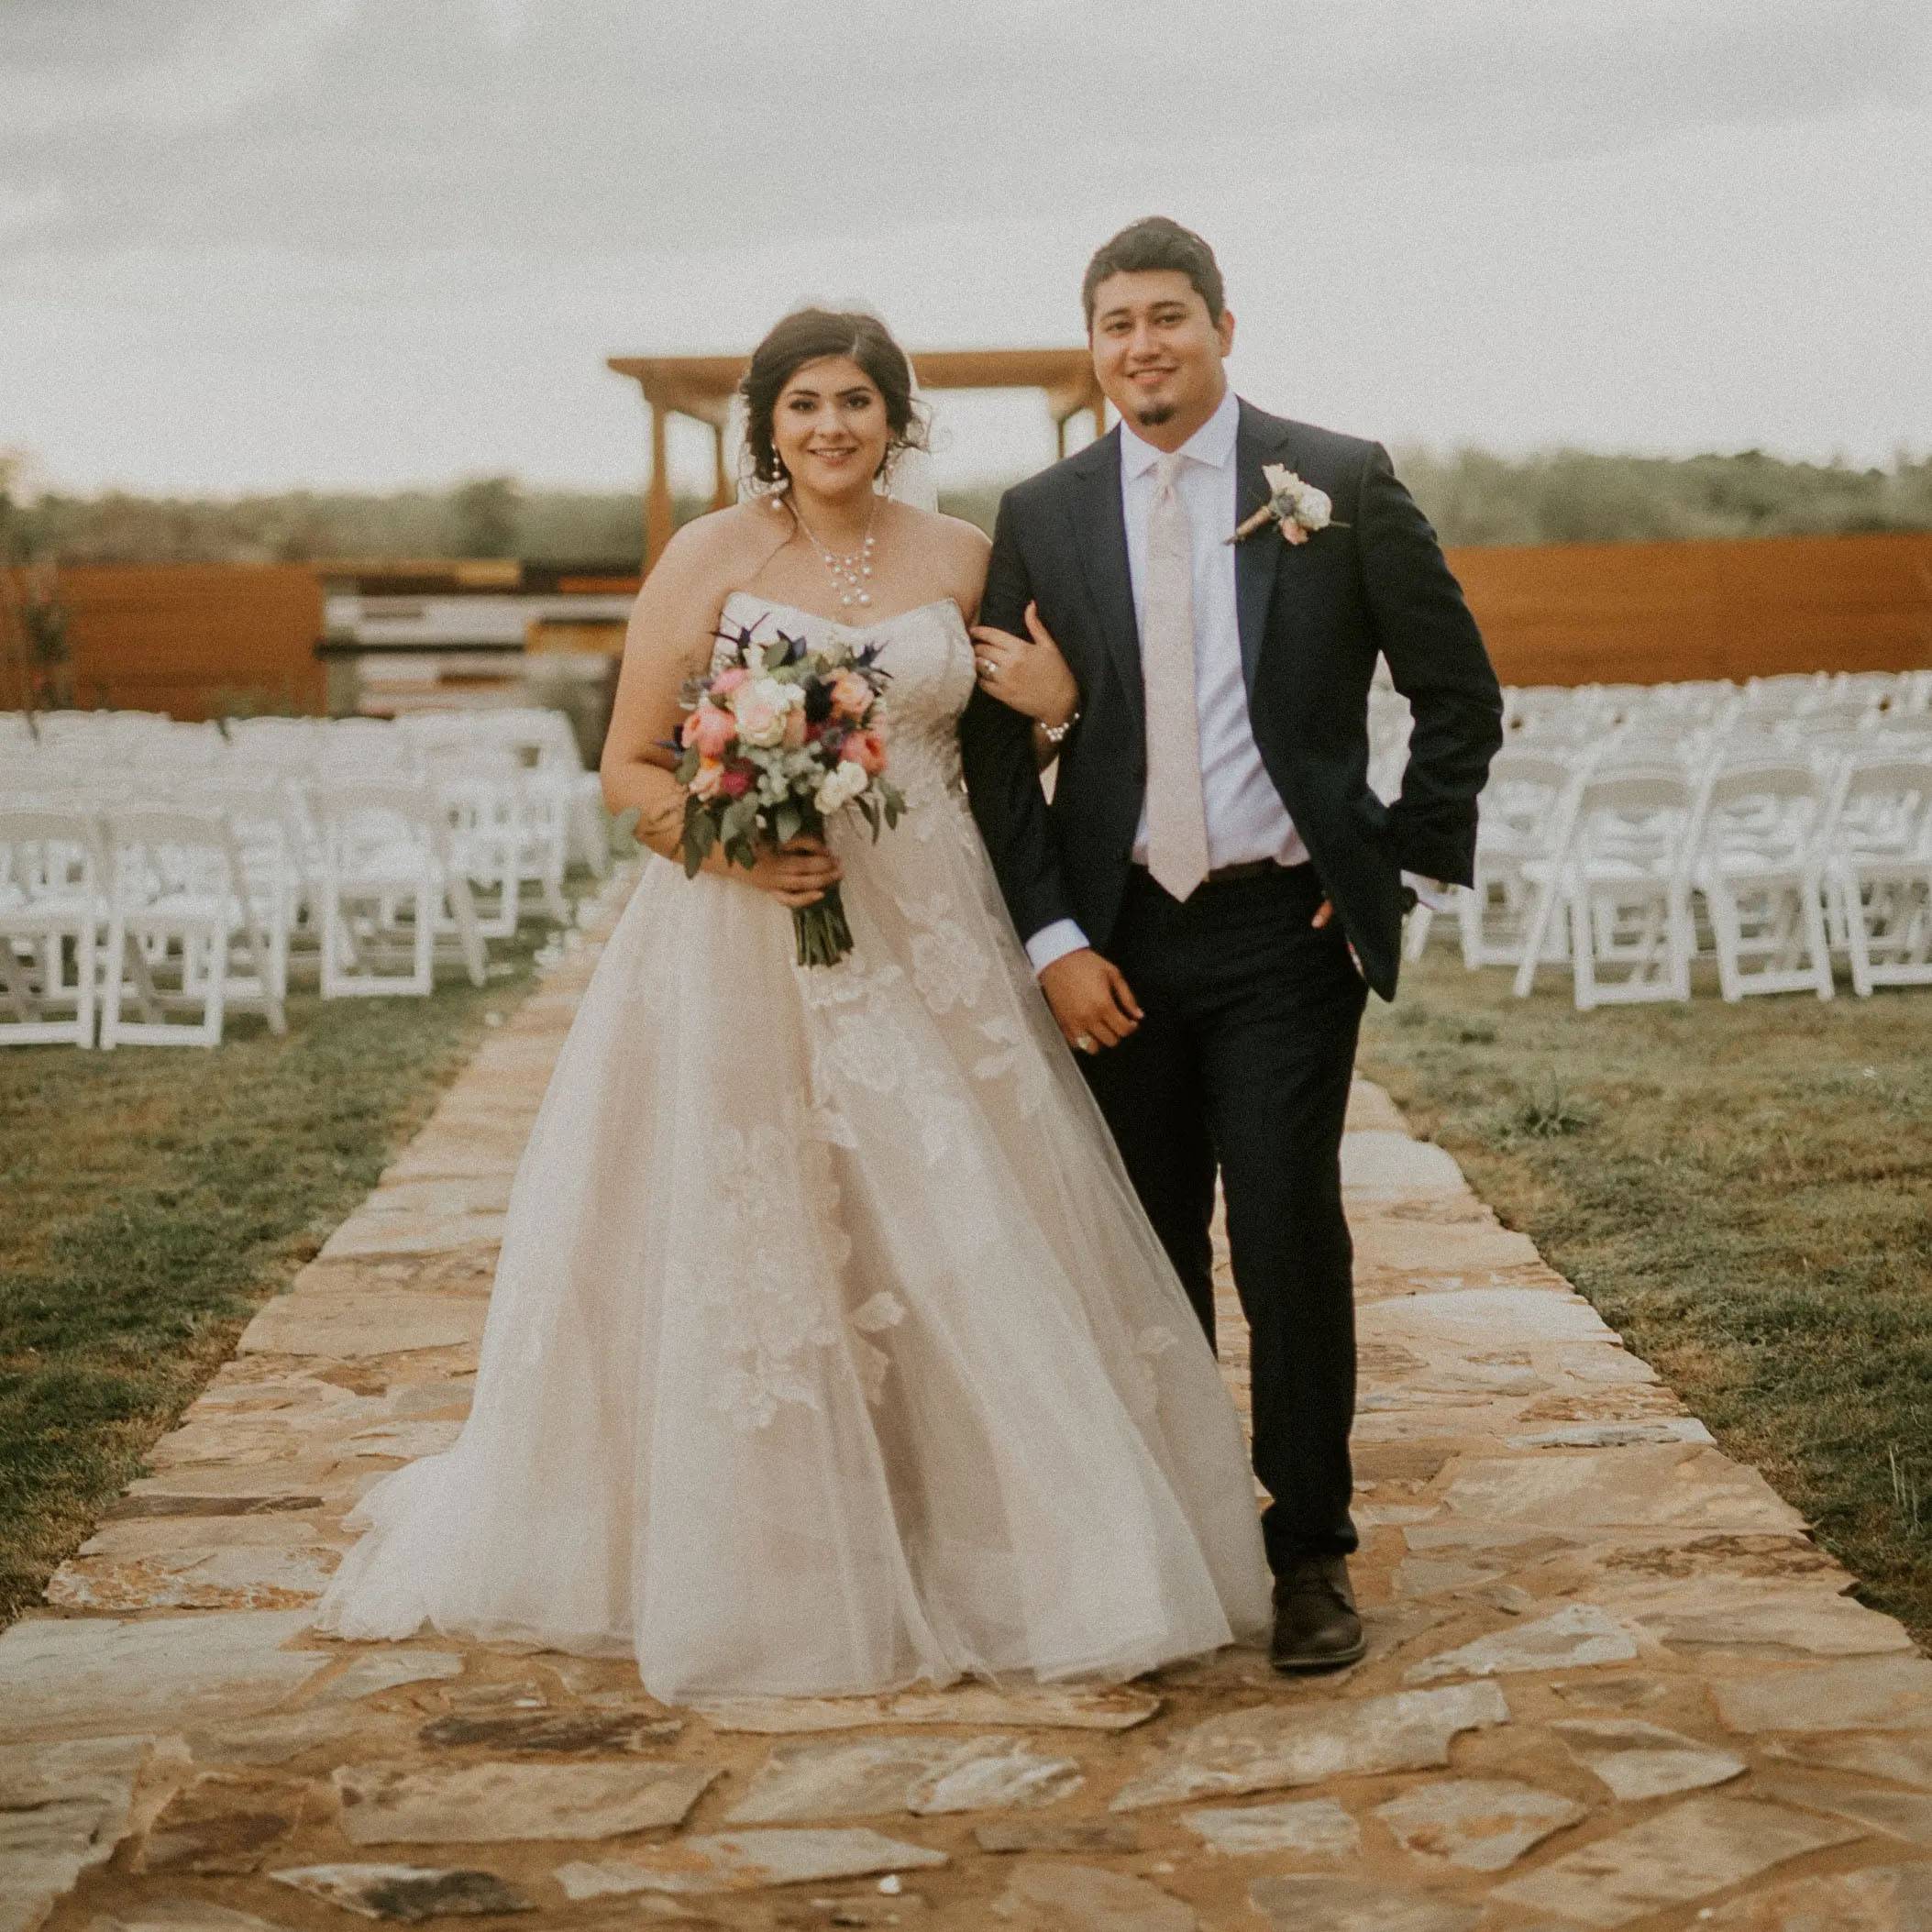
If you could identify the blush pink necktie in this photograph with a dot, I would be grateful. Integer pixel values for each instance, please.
(1176, 817)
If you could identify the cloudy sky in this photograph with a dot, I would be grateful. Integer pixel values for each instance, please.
(254, 244)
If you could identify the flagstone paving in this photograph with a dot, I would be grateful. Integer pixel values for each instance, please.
(1611, 1681)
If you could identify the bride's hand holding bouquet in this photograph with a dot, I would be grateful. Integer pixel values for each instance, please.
(777, 741)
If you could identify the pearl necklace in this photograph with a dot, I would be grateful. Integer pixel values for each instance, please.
(849, 574)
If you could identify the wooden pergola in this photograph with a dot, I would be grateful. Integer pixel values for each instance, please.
(700, 387)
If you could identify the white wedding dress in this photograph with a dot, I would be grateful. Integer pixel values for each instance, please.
(829, 1349)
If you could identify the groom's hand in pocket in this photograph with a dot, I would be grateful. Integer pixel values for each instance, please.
(1090, 999)
(1324, 912)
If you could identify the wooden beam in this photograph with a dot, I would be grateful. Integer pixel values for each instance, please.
(702, 386)
(657, 503)
(698, 385)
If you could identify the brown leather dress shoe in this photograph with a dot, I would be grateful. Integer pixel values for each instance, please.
(1315, 1626)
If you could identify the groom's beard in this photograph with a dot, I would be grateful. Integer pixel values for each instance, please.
(1154, 415)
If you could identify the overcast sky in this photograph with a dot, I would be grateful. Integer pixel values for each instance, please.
(256, 243)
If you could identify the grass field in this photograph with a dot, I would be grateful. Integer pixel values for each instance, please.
(1744, 1191)
(151, 1199)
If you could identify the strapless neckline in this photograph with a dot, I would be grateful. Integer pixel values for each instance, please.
(856, 630)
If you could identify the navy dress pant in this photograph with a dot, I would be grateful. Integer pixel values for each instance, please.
(1241, 1067)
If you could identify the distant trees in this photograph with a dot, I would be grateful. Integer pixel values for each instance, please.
(1569, 496)
(1471, 495)
(486, 514)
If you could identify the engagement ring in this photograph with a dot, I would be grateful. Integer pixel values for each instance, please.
(987, 668)
(1088, 1043)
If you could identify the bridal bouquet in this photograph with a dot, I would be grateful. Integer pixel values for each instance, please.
(774, 743)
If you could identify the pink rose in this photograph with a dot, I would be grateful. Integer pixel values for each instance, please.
(726, 682)
(707, 780)
(711, 730)
(759, 718)
(866, 749)
(850, 694)
(736, 781)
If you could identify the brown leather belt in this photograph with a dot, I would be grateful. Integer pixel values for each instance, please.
(1247, 868)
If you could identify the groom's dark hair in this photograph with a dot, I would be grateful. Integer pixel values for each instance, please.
(1154, 242)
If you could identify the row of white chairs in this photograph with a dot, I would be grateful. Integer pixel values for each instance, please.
(156, 921)
(142, 898)
(1563, 710)
(63, 748)
(1601, 859)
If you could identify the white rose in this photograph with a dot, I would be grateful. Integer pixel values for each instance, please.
(1312, 508)
(840, 787)
(760, 707)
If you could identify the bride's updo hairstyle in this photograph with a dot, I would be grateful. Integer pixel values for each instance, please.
(811, 335)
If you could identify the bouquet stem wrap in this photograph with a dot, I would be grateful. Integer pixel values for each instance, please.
(824, 934)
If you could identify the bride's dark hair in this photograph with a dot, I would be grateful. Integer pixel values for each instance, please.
(810, 336)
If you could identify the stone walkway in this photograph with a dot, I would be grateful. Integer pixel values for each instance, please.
(1612, 1683)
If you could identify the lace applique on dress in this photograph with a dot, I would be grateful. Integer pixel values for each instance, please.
(1028, 1070)
(769, 1310)
(883, 1311)
(864, 1047)
(950, 968)
(1148, 1345)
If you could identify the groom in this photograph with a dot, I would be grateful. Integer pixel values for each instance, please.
(1213, 889)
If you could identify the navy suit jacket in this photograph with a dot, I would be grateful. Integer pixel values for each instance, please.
(1314, 617)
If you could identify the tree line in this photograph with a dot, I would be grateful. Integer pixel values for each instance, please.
(1471, 495)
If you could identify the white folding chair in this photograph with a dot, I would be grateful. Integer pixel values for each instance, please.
(52, 896)
(1757, 863)
(179, 915)
(386, 848)
(1623, 877)
(165, 746)
(365, 749)
(557, 777)
(1878, 870)
(1787, 694)
(480, 788)
(1547, 716)
(272, 887)
(1522, 817)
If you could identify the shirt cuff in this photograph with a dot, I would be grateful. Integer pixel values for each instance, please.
(1055, 942)
(1431, 892)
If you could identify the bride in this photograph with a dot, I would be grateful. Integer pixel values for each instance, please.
(830, 1349)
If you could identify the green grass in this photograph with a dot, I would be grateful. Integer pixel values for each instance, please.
(151, 1198)
(1744, 1191)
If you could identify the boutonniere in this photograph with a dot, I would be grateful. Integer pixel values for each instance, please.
(1298, 507)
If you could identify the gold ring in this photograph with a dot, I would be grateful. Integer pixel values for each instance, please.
(1088, 1043)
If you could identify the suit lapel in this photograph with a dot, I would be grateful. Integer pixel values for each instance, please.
(1100, 542)
(1256, 557)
